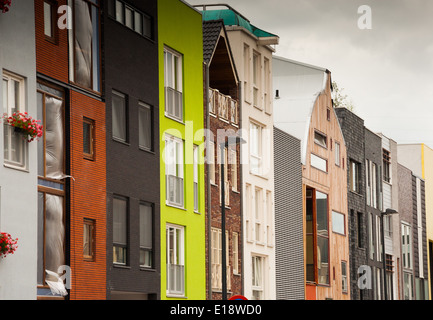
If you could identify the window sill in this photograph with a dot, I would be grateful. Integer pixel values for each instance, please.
(356, 193)
(146, 150)
(120, 141)
(178, 296)
(121, 266)
(175, 206)
(259, 175)
(11, 166)
(173, 118)
(147, 269)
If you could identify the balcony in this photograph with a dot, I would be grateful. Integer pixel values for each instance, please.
(223, 106)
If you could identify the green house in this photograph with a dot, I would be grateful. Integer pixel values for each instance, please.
(180, 38)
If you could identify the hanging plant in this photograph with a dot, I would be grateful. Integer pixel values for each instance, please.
(25, 124)
(4, 5)
(8, 245)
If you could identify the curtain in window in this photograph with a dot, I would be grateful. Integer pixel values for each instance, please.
(54, 233)
(83, 44)
(54, 151)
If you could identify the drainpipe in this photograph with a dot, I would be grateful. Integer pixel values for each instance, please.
(209, 193)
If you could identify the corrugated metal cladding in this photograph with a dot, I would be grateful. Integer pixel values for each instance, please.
(289, 251)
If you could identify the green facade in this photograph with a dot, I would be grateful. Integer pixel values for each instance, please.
(180, 31)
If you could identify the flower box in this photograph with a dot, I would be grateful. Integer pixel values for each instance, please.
(4, 5)
(8, 245)
(25, 125)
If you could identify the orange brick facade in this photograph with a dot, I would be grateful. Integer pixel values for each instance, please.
(87, 198)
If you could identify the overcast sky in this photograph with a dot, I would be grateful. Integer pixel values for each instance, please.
(387, 71)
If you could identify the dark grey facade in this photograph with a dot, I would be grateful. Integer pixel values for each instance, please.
(289, 252)
(373, 155)
(353, 132)
(133, 172)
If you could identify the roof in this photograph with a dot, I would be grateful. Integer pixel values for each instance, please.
(231, 17)
(211, 34)
(299, 86)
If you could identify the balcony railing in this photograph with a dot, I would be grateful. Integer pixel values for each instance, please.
(225, 107)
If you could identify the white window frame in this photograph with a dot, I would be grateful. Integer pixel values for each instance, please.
(344, 277)
(8, 79)
(177, 256)
(256, 148)
(257, 275)
(174, 147)
(216, 243)
(196, 186)
(406, 246)
(257, 77)
(226, 177)
(173, 81)
(234, 169)
(337, 154)
(318, 162)
(235, 251)
(258, 216)
(210, 156)
(269, 219)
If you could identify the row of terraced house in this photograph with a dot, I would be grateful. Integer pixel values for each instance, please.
(181, 158)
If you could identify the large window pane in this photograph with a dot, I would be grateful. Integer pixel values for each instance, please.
(119, 230)
(118, 108)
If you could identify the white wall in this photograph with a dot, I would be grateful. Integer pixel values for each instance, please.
(265, 182)
(18, 203)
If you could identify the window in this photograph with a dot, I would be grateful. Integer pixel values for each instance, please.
(173, 78)
(235, 249)
(256, 80)
(319, 163)
(320, 139)
(119, 116)
(50, 9)
(379, 238)
(338, 223)
(51, 149)
(257, 278)
(234, 169)
(174, 163)
(407, 286)
(88, 239)
(258, 210)
(146, 235)
(211, 161)
(89, 139)
(267, 88)
(269, 218)
(256, 162)
(371, 236)
(317, 237)
(217, 259)
(196, 178)
(226, 176)
(386, 166)
(246, 59)
(371, 177)
(328, 114)
(175, 260)
(249, 212)
(145, 126)
(15, 146)
(130, 17)
(387, 225)
(406, 246)
(120, 230)
(337, 154)
(354, 176)
(344, 284)
(84, 44)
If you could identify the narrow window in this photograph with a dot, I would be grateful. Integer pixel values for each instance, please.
(175, 260)
(50, 10)
(236, 253)
(120, 230)
(337, 154)
(119, 120)
(234, 169)
(344, 284)
(196, 178)
(174, 170)
(386, 166)
(146, 235)
(173, 78)
(256, 162)
(89, 139)
(88, 239)
(257, 277)
(145, 126)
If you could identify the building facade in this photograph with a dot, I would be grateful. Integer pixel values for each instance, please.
(289, 235)
(222, 120)
(353, 131)
(252, 52)
(303, 107)
(132, 148)
(18, 158)
(71, 157)
(181, 116)
(419, 158)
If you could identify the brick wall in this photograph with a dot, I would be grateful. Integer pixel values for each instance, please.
(88, 199)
